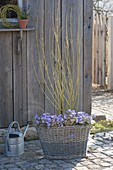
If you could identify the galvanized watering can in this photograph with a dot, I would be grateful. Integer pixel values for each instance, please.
(14, 140)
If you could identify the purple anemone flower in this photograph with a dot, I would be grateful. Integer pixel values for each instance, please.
(70, 118)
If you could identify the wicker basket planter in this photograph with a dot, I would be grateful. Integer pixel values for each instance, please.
(64, 142)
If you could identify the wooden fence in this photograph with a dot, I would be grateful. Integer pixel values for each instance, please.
(99, 50)
(21, 96)
(110, 53)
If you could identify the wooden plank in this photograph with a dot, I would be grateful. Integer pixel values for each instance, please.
(81, 51)
(6, 99)
(49, 52)
(24, 79)
(34, 90)
(104, 57)
(57, 44)
(97, 52)
(72, 29)
(100, 52)
(93, 54)
(88, 18)
(110, 53)
(36, 12)
(34, 46)
(17, 79)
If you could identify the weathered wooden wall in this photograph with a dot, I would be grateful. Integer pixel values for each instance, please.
(21, 96)
(13, 77)
(99, 56)
(6, 98)
(52, 12)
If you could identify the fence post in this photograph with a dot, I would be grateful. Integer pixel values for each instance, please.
(110, 53)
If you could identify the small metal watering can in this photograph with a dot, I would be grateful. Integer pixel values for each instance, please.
(14, 140)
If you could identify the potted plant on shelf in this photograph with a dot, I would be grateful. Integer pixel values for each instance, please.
(63, 134)
(23, 16)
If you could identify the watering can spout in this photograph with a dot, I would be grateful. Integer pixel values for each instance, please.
(26, 130)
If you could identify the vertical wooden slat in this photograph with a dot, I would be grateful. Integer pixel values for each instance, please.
(110, 53)
(31, 80)
(49, 52)
(24, 79)
(97, 51)
(73, 28)
(6, 103)
(93, 52)
(17, 78)
(81, 51)
(88, 4)
(104, 55)
(58, 31)
(34, 52)
(35, 95)
(100, 52)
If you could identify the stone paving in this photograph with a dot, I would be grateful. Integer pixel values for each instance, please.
(102, 103)
(99, 152)
(99, 157)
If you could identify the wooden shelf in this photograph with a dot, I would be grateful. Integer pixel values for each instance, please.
(16, 29)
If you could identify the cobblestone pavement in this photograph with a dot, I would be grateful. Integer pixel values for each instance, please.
(99, 157)
(102, 103)
(99, 152)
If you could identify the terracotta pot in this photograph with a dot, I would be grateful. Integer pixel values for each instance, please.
(22, 23)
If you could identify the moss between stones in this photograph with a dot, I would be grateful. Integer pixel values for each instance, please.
(102, 126)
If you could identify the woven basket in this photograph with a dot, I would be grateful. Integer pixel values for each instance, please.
(64, 142)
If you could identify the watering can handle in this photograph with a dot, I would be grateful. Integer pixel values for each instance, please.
(11, 124)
